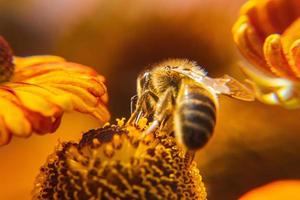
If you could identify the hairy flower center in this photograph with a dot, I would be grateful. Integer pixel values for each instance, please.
(6, 61)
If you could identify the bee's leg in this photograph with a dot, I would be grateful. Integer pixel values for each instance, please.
(163, 110)
(133, 102)
(140, 106)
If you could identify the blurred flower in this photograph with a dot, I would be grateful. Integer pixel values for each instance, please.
(145, 32)
(113, 162)
(277, 190)
(267, 34)
(36, 91)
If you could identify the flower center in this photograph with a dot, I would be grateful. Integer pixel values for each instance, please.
(6, 61)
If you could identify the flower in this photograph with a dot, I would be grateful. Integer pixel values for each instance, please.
(35, 92)
(115, 162)
(277, 190)
(267, 34)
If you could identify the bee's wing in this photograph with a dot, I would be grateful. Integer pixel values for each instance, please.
(224, 85)
(231, 87)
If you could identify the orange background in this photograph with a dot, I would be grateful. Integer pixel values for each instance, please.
(253, 143)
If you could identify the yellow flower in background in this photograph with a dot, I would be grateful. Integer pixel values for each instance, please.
(267, 34)
(277, 190)
(36, 91)
(114, 162)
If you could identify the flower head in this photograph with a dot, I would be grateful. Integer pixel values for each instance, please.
(36, 91)
(114, 162)
(267, 34)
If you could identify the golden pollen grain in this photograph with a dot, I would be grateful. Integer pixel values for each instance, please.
(114, 162)
(6, 61)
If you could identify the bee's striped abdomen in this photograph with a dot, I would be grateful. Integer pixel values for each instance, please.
(195, 116)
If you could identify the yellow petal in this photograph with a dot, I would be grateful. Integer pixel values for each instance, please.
(37, 103)
(23, 73)
(75, 79)
(275, 57)
(277, 190)
(273, 90)
(42, 89)
(271, 27)
(14, 118)
(248, 42)
(98, 109)
(22, 62)
(290, 42)
(4, 134)
(295, 54)
(59, 100)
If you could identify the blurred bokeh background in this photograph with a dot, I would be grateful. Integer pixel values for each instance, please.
(253, 143)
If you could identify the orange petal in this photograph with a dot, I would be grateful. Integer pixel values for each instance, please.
(248, 42)
(277, 190)
(255, 11)
(295, 52)
(42, 89)
(275, 57)
(14, 118)
(58, 100)
(41, 124)
(22, 62)
(5, 136)
(281, 13)
(23, 73)
(93, 107)
(290, 45)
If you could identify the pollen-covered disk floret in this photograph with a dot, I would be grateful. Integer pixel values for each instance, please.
(115, 162)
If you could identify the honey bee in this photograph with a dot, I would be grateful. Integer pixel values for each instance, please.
(177, 95)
